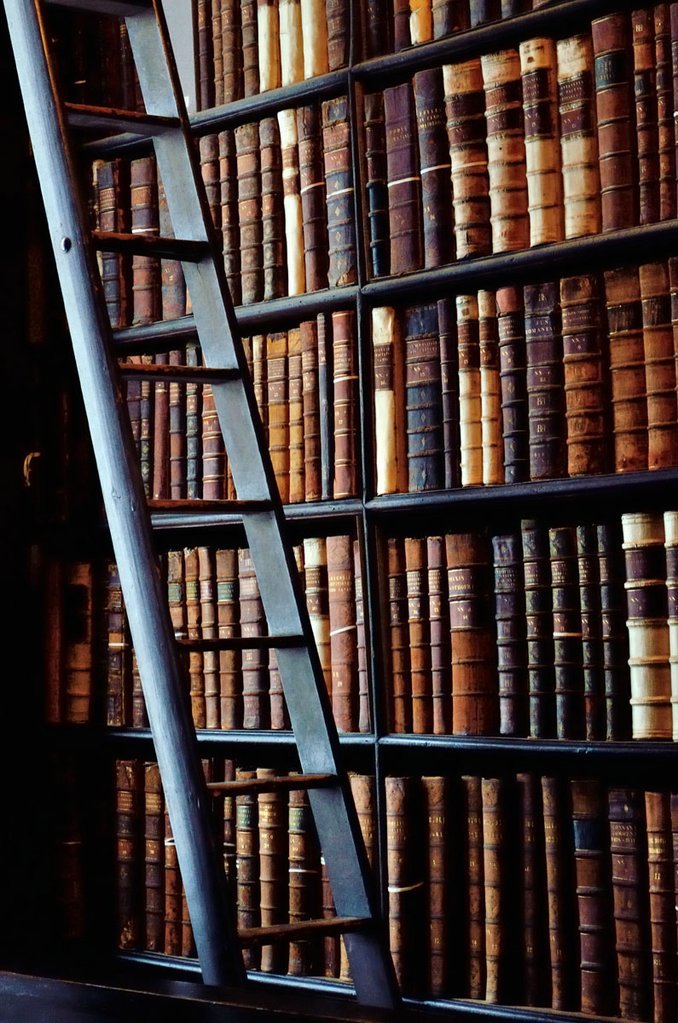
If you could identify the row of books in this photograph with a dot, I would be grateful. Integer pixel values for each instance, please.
(552, 140)
(565, 632)
(90, 668)
(569, 377)
(250, 46)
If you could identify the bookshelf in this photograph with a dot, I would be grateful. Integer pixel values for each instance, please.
(373, 519)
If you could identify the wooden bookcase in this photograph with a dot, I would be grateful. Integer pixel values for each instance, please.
(373, 519)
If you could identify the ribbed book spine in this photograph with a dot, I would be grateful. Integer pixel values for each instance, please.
(296, 415)
(665, 131)
(449, 387)
(252, 623)
(313, 201)
(647, 128)
(474, 893)
(496, 893)
(467, 134)
(423, 398)
(228, 607)
(208, 630)
(615, 634)
(247, 864)
(364, 716)
(438, 614)
(250, 46)
(339, 188)
(419, 629)
(278, 410)
(662, 905)
(578, 136)
(273, 868)
(558, 857)
(434, 163)
(509, 611)
(343, 645)
(129, 838)
(535, 962)
(229, 220)
(449, 16)
(338, 25)
(490, 389)
(470, 406)
(345, 404)
(436, 795)
(404, 180)
(376, 186)
(592, 631)
(154, 860)
(272, 214)
(304, 882)
(405, 884)
(400, 696)
(310, 406)
(294, 231)
(614, 103)
(390, 438)
(542, 149)
(317, 601)
(671, 549)
(567, 633)
(249, 212)
(513, 382)
(627, 369)
(539, 626)
(544, 380)
(291, 42)
(194, 631)
(660, 366)
(231, 48)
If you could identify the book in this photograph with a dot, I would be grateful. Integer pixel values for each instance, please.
(77, 701)
(314, 37)
(660, 366)
(247, 146)
(422, 398)
(416, 574)
(561, 910)
(490, 389)
(278, 410)
(343, 640)
(470, 402)
(509, 602)
(119, 654)
(506, 151)
(662, 912)
(406, 885)
(542, 149)
(304, 882)
(228, 622)
(255, 694)
(567, 633)
(436, 796)
(474, 889)
(192, 611)
(209, 630)
(291, 42)
(272, 818)
(449, 390)
(129, 838)
(313, 200)
(665, 110)
(273, 221)
(494, 800)
(404, 180)
(390, 438)
(294, 235)
(513, 383)
(173, 895)
(399, 667)
(364, 716)
(268, 44)
(544, 351)
(154, 860)
(671, 549)
(438, 611)
(449, 16)
(296, 415)
(592, 631)
(539, 629)
(615, 634)
(247, 864)
(231, 48)
(338, 37)
(310, 409)
(250, 46)
(647, 127)
(535, 961)
(376, 184)
(578, 136)
(339, 191)
(345, 445)
(627, 369)
(229, 212)
(647, 624)
(434, 166)
(317, 600)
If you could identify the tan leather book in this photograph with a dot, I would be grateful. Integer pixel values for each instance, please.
(255, 690)
(660, 366)
(421, 21)
(268, 44)
(647, 114)
(250, 47)
(296, 415)
(272, 211)
(278, 410)
(343, 639)
(291, 42)
(194, 631)
(467, 132)
(406, 886)
(345, 403)
(314, 35)
(304, 883)
(273, 868)
(173, 893)
(317, 600)
(390, 438)
(247, 145)
(578, 136)
(310, 407)
(627, 369)
(538, 70)
(228, 621)
(247, 864)
(662, 905)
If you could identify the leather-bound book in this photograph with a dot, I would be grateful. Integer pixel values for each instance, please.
(194, 631)
(173, 893)
(247, 863)
(364, 796)
(475, 704)
(129, 839)
(113, 209)
(376, 185)
(592, 631)
(325, 389)
(291, 42)
(118, 654)
(378, 30)
(495, 851)
(208, 630)
(78, 641)
(422, 398)
(660, 366)
(230, 678)
(509, 612)
(154, 860)
(535, 961)
(228, 817)
(331, 943)
(304, 882)
(671, 547)
(436, 796)
(229, 220)
(390, 439)
(54, 607)
(544, 349)
(404, 180)
(482, 11)
(213, 452)
(474, 889)
(434, 165)
(294, 232)
(506, 151)
(560, 903)
(406, 886)
(173, 306)
(578, 136)
(314, 36)
(627, 369)
(272, 213)
(513, 383)
(647, 624)
(662, 905)
(399, 668)
(278, 410)
(345, 403)
(438, 615)
(542, 148)
(539, 629)
(310, 407)
(232, 50)
(205, 54)
(584, 368)
(296, 415)
(401, 25)
(217, 55)
(139, 715)
(615, 634)
(449, 16)
(647, 128)
(467, 134)
(665, 109)
(317, 600)
(614, 104)
(247, 147)
(339, 188)
(268, 44)
(144, 220)
(628, 854)
(250, 47)
(252, 623)
(364, 717)
(343, 645)
(594, 897)
(470, 408)
(273, 868)
(449, 390)
(421, 21)
(338, 33)
(312, 189)
(490, 389)
(567, 633)
(419, 631)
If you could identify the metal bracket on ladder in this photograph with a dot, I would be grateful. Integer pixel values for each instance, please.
(211, 906)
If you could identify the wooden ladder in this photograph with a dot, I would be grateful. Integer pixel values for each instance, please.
(132, 519)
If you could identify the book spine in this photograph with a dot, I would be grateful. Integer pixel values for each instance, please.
(343, 646)
(496, 895)
(614, 103)
(421, 21)
(627, 369)
(467, 134)
(249, 212)
(535, 962)
(229, 218)
(399, 673)
(509, 604)
(230, 679)
(313, 199)
(434, 164)
(470, 407)
(296, 415)
(558, 858)
(578, 137)
(401, 25)
(247, 864)
(376, 185)
(404, 180)
(660, 366)
(291, 42)
(231, 50)
(78, 689)
(449, 390)
(338, 33)
(592, 631)
(671, 549)
(405, 883)
(615, 634)
(173, 893)
(567, 633)
(665, 131)
(662, 905)
(325, 389)
(268, 44)
(304, 882)
(482, 11)
(129, 838)
(364, 717)
(314, 36)
(422, 384)
(117, 653)
(205, 55)
(542, 148)
(647, 128)
(217, 55)
(272, 212)
(388, 441)
(273, 868)
(436, 796)
(194, 631)
(438, 604)
(647, 624)
(310, 405)
(250, 47)
(544, 350)
(539, 629)
(449, 16)
(378, 29)
(474, 909)
(513, 382)
(345, 403)
(294, 229)
(317, 600)
(416, 574)
(490, 389)
(254, 673)
(154, 860)
(208, 630)
(506, 151)
(278, 411)
(342, 267)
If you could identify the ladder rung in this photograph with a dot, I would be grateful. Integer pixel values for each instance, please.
(187, 374)
(242, 643)
(109, 119)
(116, 8)
(152, 245)
(250, 936)
(283, 784)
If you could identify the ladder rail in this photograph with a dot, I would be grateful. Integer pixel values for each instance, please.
(124, 500)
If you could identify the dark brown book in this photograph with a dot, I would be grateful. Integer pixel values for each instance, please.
(474, 891)
(338, 24)
(118, 654)
(586, 386)
(343, 644)
(217, 54)
(247, 864)
(561, 908)
(173, 895)
(509, 611)
(434, 166)
(436, 796)
(467, 133)
(230, 679)
(313, 199)
(423, 398)
(482, 11)
(404, 180)
(628, 853)
(475, 703)
(378, 34)
(544, 348)
(254, 662)
(229, 215)
(660, 366)
(231, 50)
(671, 548)
(273, 868)
(449, 388)
(438, 616)
(567, 633)
(401, 25)
(406, 887)
(78, 691)
(205, 54)
(662, 905)
(592, 631)
(449, 16)
(399, 673)
(376, 185)
(154, 860)
(113, 208)
(615, 634)
(345, 411)
(419, 631)
(665, 109)
(272, 214)
(594, 897)
(342, 267)
(513, 383)
(535, 961)
(627, 369)
(248, 160)
(129, 839)
(614, 99)
(539, 629)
